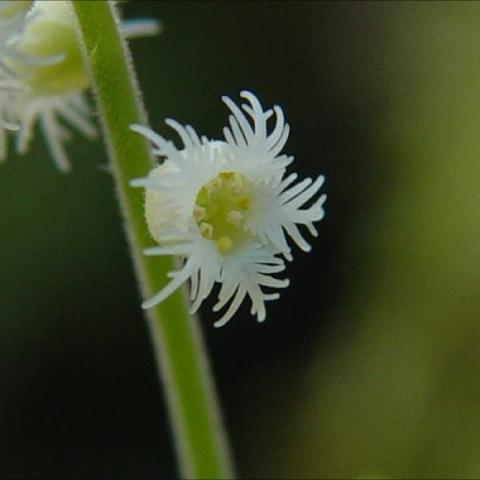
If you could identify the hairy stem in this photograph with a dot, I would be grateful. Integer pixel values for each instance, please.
(200, 440)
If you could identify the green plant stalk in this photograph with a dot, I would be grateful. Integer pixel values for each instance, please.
(200, 440)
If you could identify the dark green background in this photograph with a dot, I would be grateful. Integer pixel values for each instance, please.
(369, 364)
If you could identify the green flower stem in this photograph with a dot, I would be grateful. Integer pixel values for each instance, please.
(200, 440)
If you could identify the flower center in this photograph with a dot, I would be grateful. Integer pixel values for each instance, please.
(220, 208)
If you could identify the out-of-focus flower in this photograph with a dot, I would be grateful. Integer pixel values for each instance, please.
(43, 78)
(228, 208)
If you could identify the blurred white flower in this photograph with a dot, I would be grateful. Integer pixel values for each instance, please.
(42, 74)
(228, 208)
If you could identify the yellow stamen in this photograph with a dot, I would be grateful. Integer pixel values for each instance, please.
(235, 217)
(198, 213)
(244, 203)
(206, 230)
(224, 244)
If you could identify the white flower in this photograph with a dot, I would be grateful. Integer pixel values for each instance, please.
(228, 208)
(42, 74)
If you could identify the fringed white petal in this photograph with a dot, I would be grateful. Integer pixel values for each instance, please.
(244, 274)
(180, 278)
(49, 111)
(140, 27)
(256, 150)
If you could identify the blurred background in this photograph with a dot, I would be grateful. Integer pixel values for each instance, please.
(369, 365)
